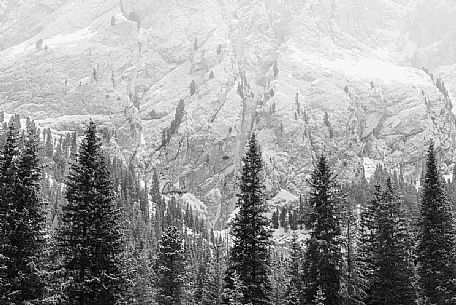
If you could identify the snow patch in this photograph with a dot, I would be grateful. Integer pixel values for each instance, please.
(369, 167)
(69, 38)
(448, 178)
(284, 237)
(283, 197)
(362, 67)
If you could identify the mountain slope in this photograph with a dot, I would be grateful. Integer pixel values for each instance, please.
(342, 78)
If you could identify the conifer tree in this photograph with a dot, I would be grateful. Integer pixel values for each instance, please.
(73, 145)
(250, 256)
(323, 257)
(8, 186)
(278, 278)
(90, 239)
(155, 191)
(140, 286)
(275, 68)
(354, 282)
(294, 274)
(195, 44)
(158, 203)
(49, 144)
(436, 244)
(368, 241)
(192, 87)
(22, 221)
(212, 294)
(393, 274)
(283, 218)
(170, 270)
(275, 219)
(201, 280)
(17, 121)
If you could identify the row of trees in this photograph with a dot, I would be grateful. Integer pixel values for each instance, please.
(349, 257)
(100, 245)
(360, 255)
(288, 217)
(105, 248)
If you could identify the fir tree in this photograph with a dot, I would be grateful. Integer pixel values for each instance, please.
(279, 280)
(212, 294)
(9, 183)
(208, 286)
(73, 145)
(140, 286)
(323, 258)
(89, 237)
(170, 268)
(249, 256)
(275, 219)
(368, 231)
(294, 274)
(283, 218)
(17, 121)
(393, 273)
(195, 44)
(201, 281)
(436, 245)
(30, 220)
(22, 220)
(354, 282)
(275, 69)
(192, 87)
(49, 144)
(155, 192)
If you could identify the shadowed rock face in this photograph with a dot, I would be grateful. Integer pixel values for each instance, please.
(310, 77)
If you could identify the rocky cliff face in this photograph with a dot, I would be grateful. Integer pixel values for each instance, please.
(342, 78)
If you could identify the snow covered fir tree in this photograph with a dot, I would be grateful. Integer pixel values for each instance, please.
(227, 152)
(249, 255)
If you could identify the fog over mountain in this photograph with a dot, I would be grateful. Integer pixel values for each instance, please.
(364, 81)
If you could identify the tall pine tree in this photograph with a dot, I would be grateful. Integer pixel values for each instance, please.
(170, 270)
(354, 283)
(368, 241)
(323, 257)
(250, 255)
(436, 245)
(293, 294)
(22, 224)
(214, 286)
(393, 273)
(90, 239)
(8, 186)
(138, 257)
